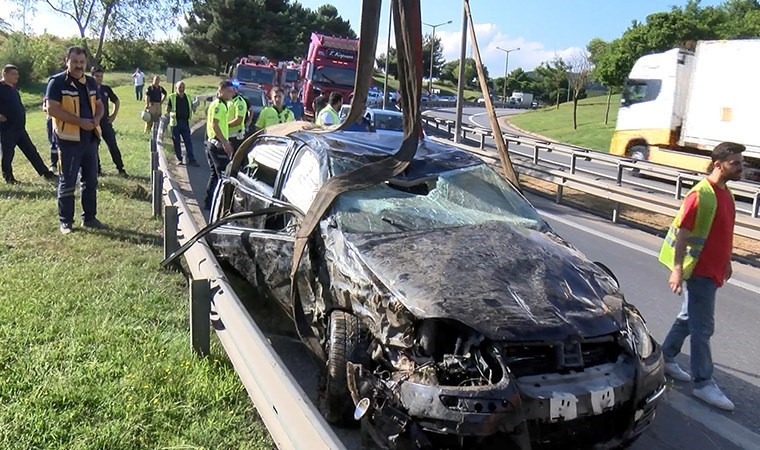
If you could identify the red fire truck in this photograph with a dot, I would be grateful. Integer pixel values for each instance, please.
(289, 75)
(329, 66)
(255, 70)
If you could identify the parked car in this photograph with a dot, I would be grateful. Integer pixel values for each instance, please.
(448, 311)
(534, 104)
(447, 98)
(256, 98)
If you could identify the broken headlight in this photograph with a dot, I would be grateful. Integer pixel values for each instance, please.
(642, 342)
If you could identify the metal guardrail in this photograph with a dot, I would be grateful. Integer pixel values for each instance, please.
(603, 185)
(287, 412)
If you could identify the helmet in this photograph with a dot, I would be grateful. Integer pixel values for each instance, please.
(145, 115)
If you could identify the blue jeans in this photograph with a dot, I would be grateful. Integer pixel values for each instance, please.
(73, 158)
(697, 320)
(182, 131)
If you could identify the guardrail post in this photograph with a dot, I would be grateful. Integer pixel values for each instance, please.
(616, 212)
(200, 317)
(535, 154)
(619, 178)
(679, 186)
(157, 179)
(171, 220)
(482, 141)
(756, 205)
(448, 128)
(558, 195)
(153, 159)
(573, 160)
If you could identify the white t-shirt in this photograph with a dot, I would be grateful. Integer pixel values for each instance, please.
(139, 78)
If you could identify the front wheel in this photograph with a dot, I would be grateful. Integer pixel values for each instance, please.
(344, 340)
(639, 152)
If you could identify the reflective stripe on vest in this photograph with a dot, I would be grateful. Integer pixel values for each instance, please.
(173, 105)
(68, 131)
(707, 204)
(217, 110)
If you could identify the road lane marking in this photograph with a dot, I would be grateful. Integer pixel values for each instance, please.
(646, 251)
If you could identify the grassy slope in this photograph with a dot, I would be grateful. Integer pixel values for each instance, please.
(94, 336)
(558, 123)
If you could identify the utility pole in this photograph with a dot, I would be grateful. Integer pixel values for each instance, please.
(387, 55)
(432, 52)
(460, 78)
(506, 72)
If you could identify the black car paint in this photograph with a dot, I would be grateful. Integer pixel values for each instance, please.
(393, 281)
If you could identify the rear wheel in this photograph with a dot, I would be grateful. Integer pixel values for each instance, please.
(345, 339)
(638, 152)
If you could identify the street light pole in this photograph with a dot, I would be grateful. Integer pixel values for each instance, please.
(460, 77)
(432, 52)
(506, 67)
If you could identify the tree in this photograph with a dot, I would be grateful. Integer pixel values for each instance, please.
(578, 78)
(131, 18)
(551, 78)
(437, 56)
(392, 62)
(450, 72)
(609, 68)
(517, 80)
(225, 29)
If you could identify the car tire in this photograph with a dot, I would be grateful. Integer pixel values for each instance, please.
(345, 337)
(638, 152)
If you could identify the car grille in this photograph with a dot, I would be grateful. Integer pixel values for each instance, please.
(582, 432)
(525, 359)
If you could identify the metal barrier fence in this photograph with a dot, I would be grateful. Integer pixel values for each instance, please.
(612, 185)
(287, 412)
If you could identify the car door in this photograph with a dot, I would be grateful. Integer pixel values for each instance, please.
(259, 247)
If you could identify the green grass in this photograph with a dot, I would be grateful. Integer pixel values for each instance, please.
(94, 349)
(557, 124)
(445, 87)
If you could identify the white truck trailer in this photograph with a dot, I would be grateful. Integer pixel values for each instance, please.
(679, 104)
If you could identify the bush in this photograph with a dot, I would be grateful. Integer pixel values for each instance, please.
(37, 57)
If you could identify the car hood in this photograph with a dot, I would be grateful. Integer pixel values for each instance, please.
(506, 282)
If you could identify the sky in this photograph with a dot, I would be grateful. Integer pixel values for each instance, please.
(541, 29)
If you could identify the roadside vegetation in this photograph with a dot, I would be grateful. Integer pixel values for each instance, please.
(557, 123)
(95, 351)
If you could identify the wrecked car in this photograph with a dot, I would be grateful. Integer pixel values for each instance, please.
(448, 312)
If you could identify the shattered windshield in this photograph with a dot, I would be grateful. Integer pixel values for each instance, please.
(469, 196)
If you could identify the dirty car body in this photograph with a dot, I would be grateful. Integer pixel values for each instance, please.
(476, 324)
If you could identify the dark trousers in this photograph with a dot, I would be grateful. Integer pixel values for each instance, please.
(217, 162)
(9, 140)
(76, 156)
(182, 131)
(139, 92)
(53, 142)
(109, 137)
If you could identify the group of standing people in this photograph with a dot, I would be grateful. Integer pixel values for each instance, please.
(79, 116)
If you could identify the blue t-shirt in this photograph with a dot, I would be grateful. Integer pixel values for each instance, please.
(296, 107)
(58, 84)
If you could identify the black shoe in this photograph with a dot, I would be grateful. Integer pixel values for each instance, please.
(123, 173)
(66, 228)
(11, 180)
(49, 175)
(193, 163)
(94, 223)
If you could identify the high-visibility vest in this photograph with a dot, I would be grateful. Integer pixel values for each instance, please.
(217, 110)
(270, 116)
(172, 99)
(328, 111)
(238, 108)
(707, 204)
(69, 131)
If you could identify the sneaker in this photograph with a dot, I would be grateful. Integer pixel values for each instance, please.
(53, 168)
(94, 223)
(123, 173)
(193, 163)
(712, 395)
(11, 180)
(179, 162)
(66, 228)
(49, 175)
(676, 372)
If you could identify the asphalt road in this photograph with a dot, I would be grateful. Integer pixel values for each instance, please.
(682, 422)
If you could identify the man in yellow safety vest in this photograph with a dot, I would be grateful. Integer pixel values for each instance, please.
(218, 147)
(329, 114)
(697, 249)
(276, 112)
